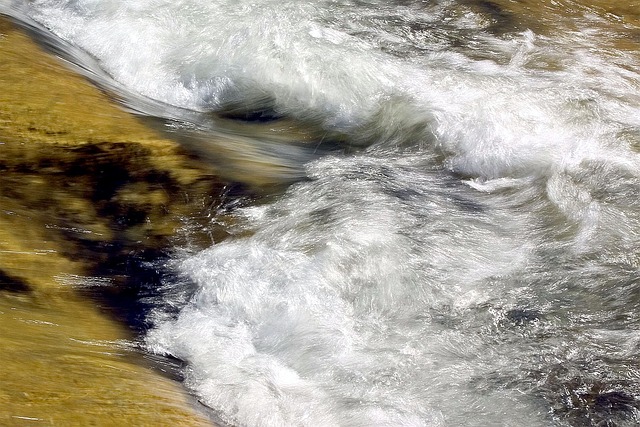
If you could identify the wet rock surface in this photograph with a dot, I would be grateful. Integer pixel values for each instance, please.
(87, 196)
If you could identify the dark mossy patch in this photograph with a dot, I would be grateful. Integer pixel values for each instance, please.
(12, 284)
(110, 207)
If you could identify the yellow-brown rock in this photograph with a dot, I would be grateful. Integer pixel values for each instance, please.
(83, 185)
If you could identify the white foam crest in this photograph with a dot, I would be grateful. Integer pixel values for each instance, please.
(379, 292)
(499, 122)
(531, 107)
(199, 55)
(336, 292)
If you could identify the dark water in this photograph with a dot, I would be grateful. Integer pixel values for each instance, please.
(454, 237)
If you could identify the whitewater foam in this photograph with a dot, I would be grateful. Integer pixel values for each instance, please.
(468, 254)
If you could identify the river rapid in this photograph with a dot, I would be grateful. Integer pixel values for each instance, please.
(449, 220)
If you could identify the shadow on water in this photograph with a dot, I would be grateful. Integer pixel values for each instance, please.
(580, 396)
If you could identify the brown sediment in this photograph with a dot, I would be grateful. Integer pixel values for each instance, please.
(82, 184)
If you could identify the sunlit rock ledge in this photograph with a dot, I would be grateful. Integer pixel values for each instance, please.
(84, 187)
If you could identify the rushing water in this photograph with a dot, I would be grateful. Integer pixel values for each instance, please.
(458, 244)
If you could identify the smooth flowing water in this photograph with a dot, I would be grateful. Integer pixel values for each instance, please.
(457, 243)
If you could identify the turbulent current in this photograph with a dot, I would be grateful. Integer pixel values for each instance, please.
(457, 243)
